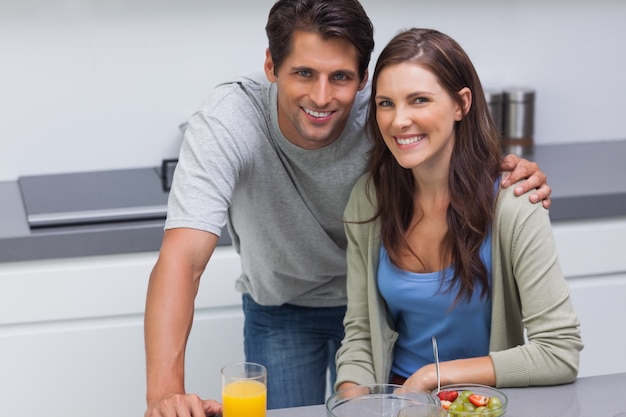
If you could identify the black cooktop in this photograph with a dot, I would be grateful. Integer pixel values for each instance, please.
(93, 197)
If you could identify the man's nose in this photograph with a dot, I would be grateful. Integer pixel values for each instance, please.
(321, 93)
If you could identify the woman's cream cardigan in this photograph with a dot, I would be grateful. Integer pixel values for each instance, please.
(529, 293)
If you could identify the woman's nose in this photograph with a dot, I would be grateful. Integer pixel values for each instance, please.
(401, 117)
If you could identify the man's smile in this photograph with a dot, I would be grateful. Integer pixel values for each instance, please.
(317, 114)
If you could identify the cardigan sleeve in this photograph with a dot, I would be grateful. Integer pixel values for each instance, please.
(532, 296)
(354, 357)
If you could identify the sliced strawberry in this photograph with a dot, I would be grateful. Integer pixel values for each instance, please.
(445, 404)
(478, 400)
(448, 395)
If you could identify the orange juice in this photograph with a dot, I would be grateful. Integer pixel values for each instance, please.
(244, 399)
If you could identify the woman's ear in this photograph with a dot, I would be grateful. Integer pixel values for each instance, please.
(466, 102)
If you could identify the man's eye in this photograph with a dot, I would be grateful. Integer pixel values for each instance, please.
(304, 73)
(341, 77)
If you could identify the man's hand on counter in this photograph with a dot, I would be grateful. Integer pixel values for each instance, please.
(184, 405)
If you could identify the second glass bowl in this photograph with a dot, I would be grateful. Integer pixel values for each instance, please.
(378, 400)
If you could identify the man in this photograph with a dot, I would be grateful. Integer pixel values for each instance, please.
(276, 158)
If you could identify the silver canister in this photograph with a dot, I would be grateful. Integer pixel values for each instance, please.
(494, 101)
(518, 120)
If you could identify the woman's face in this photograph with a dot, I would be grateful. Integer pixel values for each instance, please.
(415, 115)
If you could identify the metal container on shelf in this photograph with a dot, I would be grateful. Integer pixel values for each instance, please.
(518, 122)
(494, 101)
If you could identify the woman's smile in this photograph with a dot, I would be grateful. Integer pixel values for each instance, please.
(410, 139)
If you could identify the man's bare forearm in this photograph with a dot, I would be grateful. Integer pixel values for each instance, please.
(173, 286)
(167, 322)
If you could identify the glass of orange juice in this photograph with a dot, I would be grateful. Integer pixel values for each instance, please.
(244, 390)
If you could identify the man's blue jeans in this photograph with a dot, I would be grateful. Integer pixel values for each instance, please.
(297, 345)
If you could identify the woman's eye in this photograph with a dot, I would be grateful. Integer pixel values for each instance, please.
(384, 103)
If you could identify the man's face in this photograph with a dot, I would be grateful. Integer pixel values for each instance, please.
(317, 84)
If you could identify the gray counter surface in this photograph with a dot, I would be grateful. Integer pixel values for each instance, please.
(598, 396)
(587, 180)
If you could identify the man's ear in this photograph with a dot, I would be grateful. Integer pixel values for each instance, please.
(466, 103)
(364, 80)
(269, 66)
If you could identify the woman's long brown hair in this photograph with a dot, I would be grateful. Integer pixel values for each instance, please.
(474, 165)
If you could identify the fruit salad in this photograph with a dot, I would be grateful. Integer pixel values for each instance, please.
(467, 401)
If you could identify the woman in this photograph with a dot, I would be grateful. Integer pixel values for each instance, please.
(437, 248)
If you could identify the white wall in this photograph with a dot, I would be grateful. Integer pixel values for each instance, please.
(88, 84)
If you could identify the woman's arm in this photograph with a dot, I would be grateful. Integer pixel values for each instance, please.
(354, 357)
(461, 371)
(530, 288)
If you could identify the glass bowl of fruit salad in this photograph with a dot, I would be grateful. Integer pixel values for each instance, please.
(471, 400)
(380, 400)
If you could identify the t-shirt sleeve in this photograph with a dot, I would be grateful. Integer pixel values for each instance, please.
(205, 177)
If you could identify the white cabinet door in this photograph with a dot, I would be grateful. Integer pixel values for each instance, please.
(73, 369)
(593, 258)
(71, 334)
(591, 248)
(599, 302)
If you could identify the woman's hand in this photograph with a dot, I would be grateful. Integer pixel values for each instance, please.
(460, 371)
(424, 379)
(345, 385)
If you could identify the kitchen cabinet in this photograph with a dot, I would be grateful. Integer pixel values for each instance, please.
(71, 329)
(71, 333)
(593, 257)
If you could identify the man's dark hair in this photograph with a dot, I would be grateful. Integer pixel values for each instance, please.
(331, 19)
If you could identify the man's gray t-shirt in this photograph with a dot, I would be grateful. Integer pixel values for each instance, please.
(283, 204)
